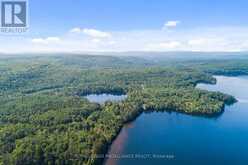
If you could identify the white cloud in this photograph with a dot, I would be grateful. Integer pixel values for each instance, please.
(194, 39)
(112, 42)
(164, 45)
(96, 40)
(96, 33)
(75, 30)
(206, 41)
(210, 44)
(171, 24)
(38, 40)
(199, 41)
(47, 40)
(53, 39)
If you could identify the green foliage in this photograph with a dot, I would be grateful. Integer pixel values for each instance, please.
(44, 118)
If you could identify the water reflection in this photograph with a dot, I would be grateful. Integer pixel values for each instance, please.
(102, 98)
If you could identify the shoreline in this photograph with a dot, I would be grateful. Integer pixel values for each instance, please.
(213, 115)
(196, 114)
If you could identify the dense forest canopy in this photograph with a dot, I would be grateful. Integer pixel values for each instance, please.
(44, 118)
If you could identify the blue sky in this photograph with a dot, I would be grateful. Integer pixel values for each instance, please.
(124, 25)
(136, 14)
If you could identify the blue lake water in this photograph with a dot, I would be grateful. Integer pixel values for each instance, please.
(177, 139)
(102, 98)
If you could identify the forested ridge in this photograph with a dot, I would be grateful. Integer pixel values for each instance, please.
(45, 119)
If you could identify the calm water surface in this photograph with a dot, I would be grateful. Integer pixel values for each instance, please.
(176, 139)
(101, 98)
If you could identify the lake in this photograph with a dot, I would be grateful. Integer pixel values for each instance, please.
(176, 139)
(102, 98)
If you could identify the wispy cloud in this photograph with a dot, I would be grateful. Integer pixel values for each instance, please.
(96, 33)
(75, 30)
(171, 45)
(88, 39)
(46, 40)
(91, 32)
(171, 24)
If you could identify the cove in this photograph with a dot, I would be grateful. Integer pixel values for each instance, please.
(102, 98)
(176, 139)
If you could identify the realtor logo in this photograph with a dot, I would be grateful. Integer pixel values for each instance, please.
(13, 16)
